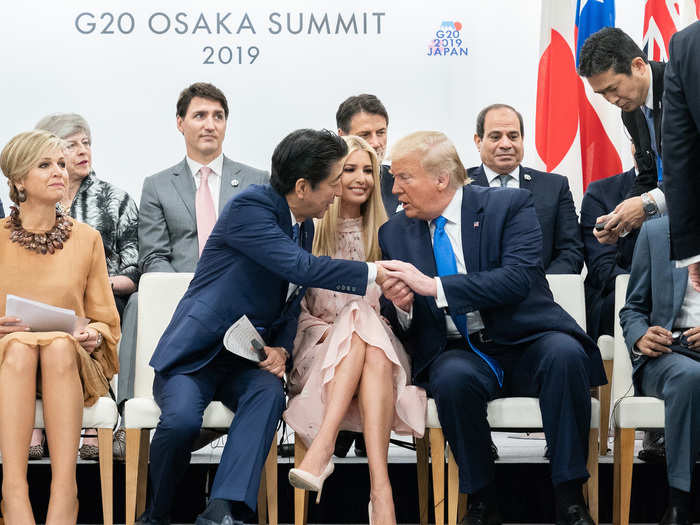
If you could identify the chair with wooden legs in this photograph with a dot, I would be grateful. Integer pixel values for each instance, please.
(629, 413)
(506, 413)
(159, 294)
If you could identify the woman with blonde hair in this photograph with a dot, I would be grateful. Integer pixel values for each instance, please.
(49, 257)
(350, 371)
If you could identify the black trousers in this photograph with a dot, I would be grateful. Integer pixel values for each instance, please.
(554, 368)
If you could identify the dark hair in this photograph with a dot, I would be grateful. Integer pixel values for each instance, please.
(354, 105)
(202, 90)
(305, 154)
(608, 48)
(481, 118)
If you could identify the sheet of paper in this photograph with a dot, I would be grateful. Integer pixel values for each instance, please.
(41, 317)
(238, 337)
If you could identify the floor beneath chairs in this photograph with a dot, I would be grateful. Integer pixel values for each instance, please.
(522, 474)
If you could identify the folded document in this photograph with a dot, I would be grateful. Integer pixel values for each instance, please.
(41, 317)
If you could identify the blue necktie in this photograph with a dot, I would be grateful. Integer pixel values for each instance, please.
(649, 116)
(295, 232)
(447, 265)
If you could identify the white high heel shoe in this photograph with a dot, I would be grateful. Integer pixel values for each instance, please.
(369, 511)
(301, 479)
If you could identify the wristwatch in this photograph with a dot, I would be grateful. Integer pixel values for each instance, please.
(650, 207)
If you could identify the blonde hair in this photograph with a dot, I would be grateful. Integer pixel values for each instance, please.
(438, 155)
(372, 211)
(22, 153)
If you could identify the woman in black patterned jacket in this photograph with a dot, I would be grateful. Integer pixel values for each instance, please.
(108, 209)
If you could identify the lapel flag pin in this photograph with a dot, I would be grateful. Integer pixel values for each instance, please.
(235, 183)
(527, 177)
(476, 224)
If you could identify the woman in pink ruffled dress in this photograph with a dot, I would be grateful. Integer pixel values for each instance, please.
(350, 371)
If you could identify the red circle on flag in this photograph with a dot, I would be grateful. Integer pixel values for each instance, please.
(458, 26)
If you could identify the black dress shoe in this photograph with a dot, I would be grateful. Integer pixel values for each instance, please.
(675, 515)
(482, 514)
(576, 515)
(146, 520)
(653, 447)
(226, 520)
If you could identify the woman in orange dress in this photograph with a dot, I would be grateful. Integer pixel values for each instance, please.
(46, 256)
(350, 371)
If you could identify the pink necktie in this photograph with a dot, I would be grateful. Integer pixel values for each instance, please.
(204, 206)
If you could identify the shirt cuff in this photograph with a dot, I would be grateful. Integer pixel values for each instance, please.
(659, 199)
(441, 300)
(371, 273)
(687, 262)
(404, 317)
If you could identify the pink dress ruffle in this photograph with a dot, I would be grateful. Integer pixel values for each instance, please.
(343, 315)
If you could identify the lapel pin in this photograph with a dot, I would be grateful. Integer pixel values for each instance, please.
(476, 224)
(527, 177)
(235, 183)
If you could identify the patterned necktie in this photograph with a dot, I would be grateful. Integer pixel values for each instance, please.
(649, 117)
(295, 232)
(204, 206)
(446, 263)
(504, 180)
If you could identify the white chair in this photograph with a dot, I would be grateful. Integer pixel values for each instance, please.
(103, 416)
(629, 413)
(159, 295)
(506, 413)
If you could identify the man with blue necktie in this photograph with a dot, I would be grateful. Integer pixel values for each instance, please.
(256, 262)
(483, 323)
(617, 69)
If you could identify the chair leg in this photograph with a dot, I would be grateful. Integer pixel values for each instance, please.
(423, 484)
(604, 396)
(462, 507)
(452, 488)
(271, 483)
(622, 475)
(591, 487)
(262, 500)
(301, 497)
(137, 445)
(437, 454)
(104, 445)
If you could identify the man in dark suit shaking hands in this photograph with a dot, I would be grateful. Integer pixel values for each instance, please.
(256, 262)
(483, 323)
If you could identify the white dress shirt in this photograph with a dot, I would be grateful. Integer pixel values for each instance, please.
(689, 313)
(453, 229)
(495, 178)
(214, 179)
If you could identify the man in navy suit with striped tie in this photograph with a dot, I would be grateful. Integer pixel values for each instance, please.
(256, 262)
(483, 323)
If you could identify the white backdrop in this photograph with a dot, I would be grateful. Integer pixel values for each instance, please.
(126, 85)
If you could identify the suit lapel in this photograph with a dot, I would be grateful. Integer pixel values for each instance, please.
(680, 282)
(480, 176)
(526, 180)
(226, 191)
(183, 183)
(472, 224)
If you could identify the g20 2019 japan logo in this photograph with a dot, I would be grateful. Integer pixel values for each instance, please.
(447, 41)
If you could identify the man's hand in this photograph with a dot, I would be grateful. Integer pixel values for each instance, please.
(276, 359)
(11, 324)
(694, 275)
(398, 293)
(693, 337)
(409, 274)
(655, 342)
(627, 216)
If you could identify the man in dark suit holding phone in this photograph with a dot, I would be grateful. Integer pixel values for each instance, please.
(256, 262)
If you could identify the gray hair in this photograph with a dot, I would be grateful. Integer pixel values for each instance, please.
(64, 125)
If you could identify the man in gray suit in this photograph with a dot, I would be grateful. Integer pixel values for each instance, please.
(661, 325)
(179, 205)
